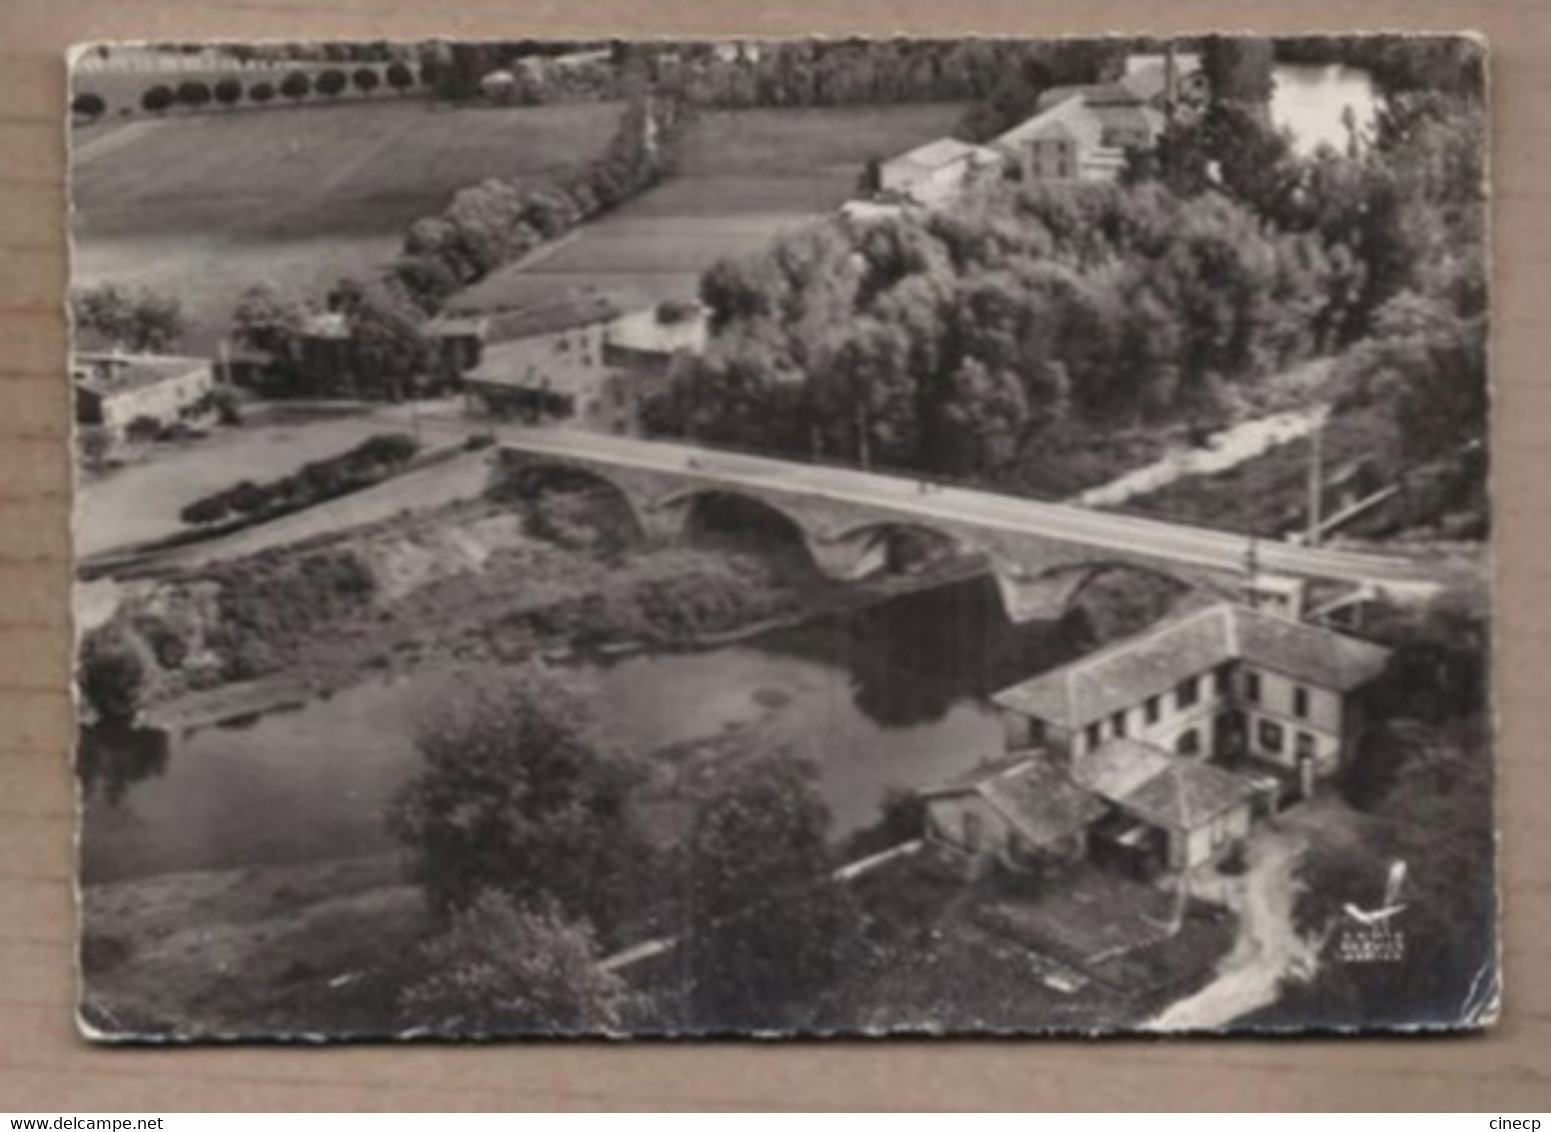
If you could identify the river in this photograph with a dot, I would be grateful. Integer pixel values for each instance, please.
(1311, 100)
(892, 696)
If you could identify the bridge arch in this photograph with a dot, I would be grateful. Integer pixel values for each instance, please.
(711, 513)
(544, 488)
(900, 546)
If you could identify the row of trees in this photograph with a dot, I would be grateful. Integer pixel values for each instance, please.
(369, 462)
(483, 228)
(495, 222)
(196, 94)
(524, 833)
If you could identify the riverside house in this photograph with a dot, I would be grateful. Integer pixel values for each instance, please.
(1183, 732)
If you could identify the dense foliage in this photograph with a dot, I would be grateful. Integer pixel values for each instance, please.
(518, 795)
(503, 968)
(137, 321)
(768, 930)
(966, 341)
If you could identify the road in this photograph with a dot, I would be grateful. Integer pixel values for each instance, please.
(1268, 950)
(1123, 534)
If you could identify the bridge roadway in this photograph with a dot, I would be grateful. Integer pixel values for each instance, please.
(1124, 535)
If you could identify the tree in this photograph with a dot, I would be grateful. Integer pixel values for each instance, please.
(504, 968)
(261, 92)
(88, 105)
(387, 350)
(332, 82)
(228, 92)
(268, 320)
(518, 795)
(768, 931)
(366, 79)
(111, 674)
(140, 321)
(400, 77)
(157, 99)
(193, 94)
(296, 85)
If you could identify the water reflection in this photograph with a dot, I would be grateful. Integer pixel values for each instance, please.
(110, 758)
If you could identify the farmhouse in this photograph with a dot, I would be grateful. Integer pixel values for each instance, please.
(646, 341)
(1182, 733)
(934, 173)
(1021, 812)
(1083, 133)
(115, 391)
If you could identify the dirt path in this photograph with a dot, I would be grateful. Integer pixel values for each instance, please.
(1268, 947)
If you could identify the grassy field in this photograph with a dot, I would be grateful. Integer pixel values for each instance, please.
(743, 177)
(203, 207)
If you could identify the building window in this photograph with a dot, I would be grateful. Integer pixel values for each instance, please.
(1118, 723)
(1301, 702)
(1271, 736)
(1303, 744)
(1224, 679)
(1150, 709)
(1252, 687)
(1188, 692)
(1095, 733)
(1189, 743)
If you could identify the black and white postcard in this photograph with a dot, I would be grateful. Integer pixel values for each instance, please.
(818, 537)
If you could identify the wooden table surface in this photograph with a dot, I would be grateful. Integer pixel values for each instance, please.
(45, 1066)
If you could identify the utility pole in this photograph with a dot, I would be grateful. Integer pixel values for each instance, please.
(862, 446)
(1316, 481)
(1252, 573)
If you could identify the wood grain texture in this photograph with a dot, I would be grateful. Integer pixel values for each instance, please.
(44, 1066)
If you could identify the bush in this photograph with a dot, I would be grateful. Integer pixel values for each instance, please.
(332, 82)
(261, 92)
(228, 92)
(296, 86)
(88, 105)
(366, 79)
(193, 94)
(210, 509)
(112, 675)
(227, 404)
(157, 99)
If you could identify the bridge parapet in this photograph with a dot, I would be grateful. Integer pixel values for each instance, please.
(1037, 576)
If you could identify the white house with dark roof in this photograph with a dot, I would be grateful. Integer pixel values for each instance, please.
(1224, 681)
(1183, 731)
(934, 173)
(114, 391)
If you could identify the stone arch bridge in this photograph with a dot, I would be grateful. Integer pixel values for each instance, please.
(1041, 554)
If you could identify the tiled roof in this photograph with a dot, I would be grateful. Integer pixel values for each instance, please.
(109, 375)
(1127, 672)
(943, 151)
(525, 364)
(1186, 794)
(1032, 794)
(1159, 788)
(1307, 652)
(1119, 767)
(1130, 116)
